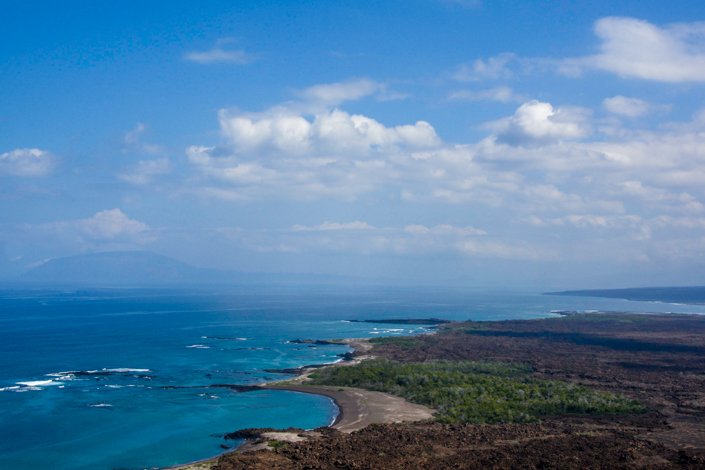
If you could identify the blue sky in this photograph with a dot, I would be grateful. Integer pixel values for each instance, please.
(479, 143)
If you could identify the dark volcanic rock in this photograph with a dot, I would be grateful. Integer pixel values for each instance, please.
(657, 359)
(553, 445)
(320, 342)
(256, 433)
(406, 321)
(348, 356)
(295, 370)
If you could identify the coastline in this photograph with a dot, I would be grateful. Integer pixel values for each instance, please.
(357, 408)
(654, 362)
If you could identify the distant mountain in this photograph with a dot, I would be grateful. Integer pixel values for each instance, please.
(686, 294)
(117, 268)
(144, 268)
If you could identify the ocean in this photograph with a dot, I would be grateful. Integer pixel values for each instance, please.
(132, 378)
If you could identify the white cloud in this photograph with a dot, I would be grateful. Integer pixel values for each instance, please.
(282, 130)
(669, 222)
(328, 226)
(27, 162)
(664, 199)
(495, 249)
(443, 229)
(134, 142)
(543, 166)
(328, 154)
(335, 131)
(625, 106)
(333, 94)
(584, 221)
(485, 69)
(106, 229)
(633, 48)
(362, 238)
(145, 171)
(110, 225)
(536, 122)
(220, 53)
(502, 94)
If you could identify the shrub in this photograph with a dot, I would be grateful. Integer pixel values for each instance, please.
(476, 392)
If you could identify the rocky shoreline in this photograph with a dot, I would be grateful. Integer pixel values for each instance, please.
(356, 408)
(656, 359)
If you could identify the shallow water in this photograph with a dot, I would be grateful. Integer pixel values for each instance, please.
(123, 378)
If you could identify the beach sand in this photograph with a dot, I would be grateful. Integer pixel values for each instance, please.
(357, 408)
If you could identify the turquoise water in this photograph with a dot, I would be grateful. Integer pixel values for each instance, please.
(128, 378)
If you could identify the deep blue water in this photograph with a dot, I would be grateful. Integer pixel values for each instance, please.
(119, 378)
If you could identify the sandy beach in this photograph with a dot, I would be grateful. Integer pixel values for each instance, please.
(357, 408)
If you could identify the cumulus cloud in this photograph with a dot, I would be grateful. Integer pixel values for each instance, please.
(342, 155)
(537, 122)
(333, 131)
(493, 68)
(634, 48)
(109, 225)
(283, 150)
(542, 167)
(221, 52)
(109, 229)
(26, 162)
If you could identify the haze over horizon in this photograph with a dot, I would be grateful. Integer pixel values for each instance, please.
(527, 144)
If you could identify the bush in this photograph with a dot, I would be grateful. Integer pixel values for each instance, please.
(405, 342)
(476, 392)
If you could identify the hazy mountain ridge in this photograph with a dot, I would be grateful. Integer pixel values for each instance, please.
(133, 267)
(144, 268)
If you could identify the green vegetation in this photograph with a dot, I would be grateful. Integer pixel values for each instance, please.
(405, 342)
(476, 392)
(607, 317)
(275, 444)
(473, 326)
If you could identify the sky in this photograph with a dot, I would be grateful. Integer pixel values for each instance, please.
(478, 143)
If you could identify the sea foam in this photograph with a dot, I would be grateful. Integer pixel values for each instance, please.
(39, 383)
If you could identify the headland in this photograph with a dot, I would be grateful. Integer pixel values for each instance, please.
(599, 390)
